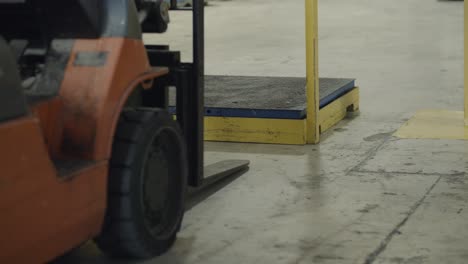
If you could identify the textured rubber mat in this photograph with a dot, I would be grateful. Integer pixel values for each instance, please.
(266, 97)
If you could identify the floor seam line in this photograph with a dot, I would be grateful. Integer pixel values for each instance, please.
(371, 153)
(383, 245)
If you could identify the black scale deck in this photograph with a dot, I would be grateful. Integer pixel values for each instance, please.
(266, 97)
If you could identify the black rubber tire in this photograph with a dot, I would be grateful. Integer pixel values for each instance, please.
(126, 231)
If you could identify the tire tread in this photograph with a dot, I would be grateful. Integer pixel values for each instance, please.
(119, 236)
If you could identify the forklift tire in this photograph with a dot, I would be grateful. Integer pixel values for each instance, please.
(146, 186)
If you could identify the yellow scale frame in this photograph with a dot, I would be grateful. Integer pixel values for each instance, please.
(290, 131)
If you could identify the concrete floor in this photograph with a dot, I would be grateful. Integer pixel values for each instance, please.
(362, 195)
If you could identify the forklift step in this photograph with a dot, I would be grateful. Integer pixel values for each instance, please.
(265, 97)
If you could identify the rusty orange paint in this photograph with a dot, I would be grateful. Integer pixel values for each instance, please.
(52, 126)
(37, 205)
(94, 96)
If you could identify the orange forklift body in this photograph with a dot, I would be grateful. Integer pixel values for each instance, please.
(87, 62)
(43, 210)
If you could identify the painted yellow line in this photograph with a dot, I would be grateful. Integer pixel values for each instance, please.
(435, 124)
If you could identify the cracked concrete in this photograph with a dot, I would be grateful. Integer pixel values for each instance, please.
(361, 196)
(372, 257)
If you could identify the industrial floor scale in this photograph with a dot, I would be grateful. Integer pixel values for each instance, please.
(277, 110)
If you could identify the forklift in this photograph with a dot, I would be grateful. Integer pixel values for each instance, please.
(88, 147)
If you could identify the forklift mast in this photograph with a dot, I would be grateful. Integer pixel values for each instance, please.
(189, 80)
